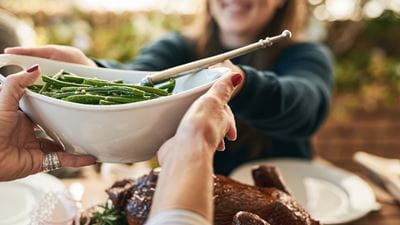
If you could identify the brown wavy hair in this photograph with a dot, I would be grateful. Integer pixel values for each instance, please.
(204, 33)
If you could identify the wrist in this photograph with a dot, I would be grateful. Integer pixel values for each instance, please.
(185, 148)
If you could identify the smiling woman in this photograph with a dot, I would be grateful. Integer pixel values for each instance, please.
(241, 21)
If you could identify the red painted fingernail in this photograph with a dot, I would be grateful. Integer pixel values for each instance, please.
(236, 79)
(32, 68)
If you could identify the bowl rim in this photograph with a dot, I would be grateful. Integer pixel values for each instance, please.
(118, 107)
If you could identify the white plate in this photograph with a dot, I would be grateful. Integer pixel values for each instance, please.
(18, 198)
(330, 194)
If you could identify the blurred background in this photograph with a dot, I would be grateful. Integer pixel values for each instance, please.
(364, 36)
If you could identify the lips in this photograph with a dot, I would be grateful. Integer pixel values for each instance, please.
(236, 7)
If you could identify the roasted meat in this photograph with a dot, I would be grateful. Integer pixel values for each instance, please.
(246, 218)
(266, 203)
(134, 197)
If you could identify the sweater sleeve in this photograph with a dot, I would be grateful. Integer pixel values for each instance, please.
(177, 217)
(291, 101)
(171, 50)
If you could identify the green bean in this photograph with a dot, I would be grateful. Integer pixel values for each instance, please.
(170, 86)
(148, 89)
(69, 89)
(59, 84)
(35, 87)
(85, 99)
(119, 99)
(72, 79)
(46, 86)
(110, 90)
(101, 83)
(117, 90)
(64, 94)
(96, 82)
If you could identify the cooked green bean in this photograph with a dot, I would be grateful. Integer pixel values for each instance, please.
(96, 82)
(107, 89)
(35, 87)
(59, 83)
(72, 79)
(68, 89)
(151, 90)
(101, 83)
(170, 86)
(119, 99)
(85, 99)
(47, 85)
(73, 88)
(65, 94)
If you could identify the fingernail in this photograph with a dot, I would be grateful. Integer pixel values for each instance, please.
(236, 79)
(32, 68)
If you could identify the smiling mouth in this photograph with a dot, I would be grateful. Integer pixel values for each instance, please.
(234, 7)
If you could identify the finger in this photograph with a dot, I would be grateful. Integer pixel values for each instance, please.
(231, 134)
(14, 87)
(71, 160)
(216, 65)
(224, 87)
(221, 146)
(43, 52)
(47, 146)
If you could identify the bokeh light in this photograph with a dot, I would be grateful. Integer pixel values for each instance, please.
(341, 9)
(374, 9)
(315, 2)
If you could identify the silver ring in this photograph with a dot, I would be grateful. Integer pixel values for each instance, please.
(50, 162)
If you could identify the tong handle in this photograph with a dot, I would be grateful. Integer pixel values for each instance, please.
(181, 70)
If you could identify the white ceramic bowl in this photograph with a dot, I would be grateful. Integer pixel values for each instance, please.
(116, 133)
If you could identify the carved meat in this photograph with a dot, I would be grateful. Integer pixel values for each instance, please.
(134, 197)
(246, 218)
(266, 203)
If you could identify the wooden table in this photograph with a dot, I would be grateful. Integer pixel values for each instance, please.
(389, 214)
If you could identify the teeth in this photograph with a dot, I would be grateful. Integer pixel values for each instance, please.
(235, 7)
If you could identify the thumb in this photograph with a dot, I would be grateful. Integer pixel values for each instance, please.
(225, 86)
(14, 87)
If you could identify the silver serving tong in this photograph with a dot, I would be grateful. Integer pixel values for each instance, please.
(191, 67)
(386, 171)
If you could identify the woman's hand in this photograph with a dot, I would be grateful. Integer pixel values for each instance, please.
(235, 69)
(186, 180)
(54, 52)
(21, 153)
(209, 119)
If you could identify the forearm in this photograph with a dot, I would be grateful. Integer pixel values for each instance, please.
(186, 179)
